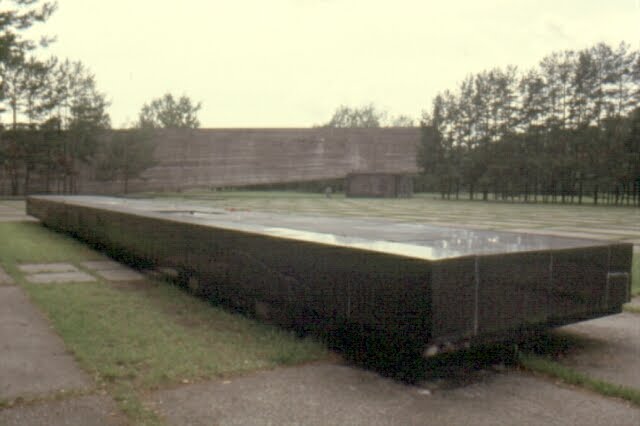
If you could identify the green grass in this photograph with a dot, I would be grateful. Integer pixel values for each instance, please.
(29, 242)
(632, 309)
(135, 338)
(548, 367)
(159, 335)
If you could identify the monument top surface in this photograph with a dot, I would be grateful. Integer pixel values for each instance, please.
(415, 240)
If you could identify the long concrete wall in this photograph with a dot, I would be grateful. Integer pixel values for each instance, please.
(235, 157)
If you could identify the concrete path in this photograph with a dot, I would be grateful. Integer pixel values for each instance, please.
(33, 359)
(635, 302)
(34, 363)
(83, 411)
(113, 271)
(328, 394)
(14, 211)
(613, 349)
(48, 273)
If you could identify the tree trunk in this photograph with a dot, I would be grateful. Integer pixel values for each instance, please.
(27, 179)
(15, 185)
(580, 189)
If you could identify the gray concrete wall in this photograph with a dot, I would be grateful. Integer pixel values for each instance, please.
(235, 157)
(381, 185)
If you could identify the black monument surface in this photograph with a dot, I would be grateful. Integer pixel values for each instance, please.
(439, 287)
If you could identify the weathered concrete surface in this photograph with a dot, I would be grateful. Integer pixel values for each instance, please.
(33, 360)
(226, 157)
(328, 394)
(101, 265)
(612, 351)
(635, 302)
(13, 211)
(60, 277)
(383, 185)
(113, 271)
(5, 279)
(36, 268)
(121, 274)
(84, 411)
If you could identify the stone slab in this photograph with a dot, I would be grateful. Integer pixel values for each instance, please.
(17, 218)
(613, 351)
(84, 411)
(14, 211)
(36, 268)
(101, 265)
(60, 277)
(414, 240)
(628, 233)
(5, 279)
(326, 394)
(33, 359)
(121, 274)
(373, 275)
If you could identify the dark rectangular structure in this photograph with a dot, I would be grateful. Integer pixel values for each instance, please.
(379, 185)
(440, 287)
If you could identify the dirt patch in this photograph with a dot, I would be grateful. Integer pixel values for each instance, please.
(87, 411)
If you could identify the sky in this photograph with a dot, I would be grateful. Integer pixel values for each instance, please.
(291, 63)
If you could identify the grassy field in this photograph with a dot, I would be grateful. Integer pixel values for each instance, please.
(137, 337)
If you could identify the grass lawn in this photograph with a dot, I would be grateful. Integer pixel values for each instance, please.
(134, 338)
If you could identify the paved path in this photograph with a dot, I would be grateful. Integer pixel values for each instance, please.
(13, 211)
(33, 359)
(327, 394)
(612, 352)
(34, 364)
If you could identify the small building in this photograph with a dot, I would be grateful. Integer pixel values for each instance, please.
(380, 185)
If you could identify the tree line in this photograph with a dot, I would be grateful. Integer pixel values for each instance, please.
(59, 119)
(567, 130)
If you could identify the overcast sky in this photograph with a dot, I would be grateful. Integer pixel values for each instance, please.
(290, 63)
